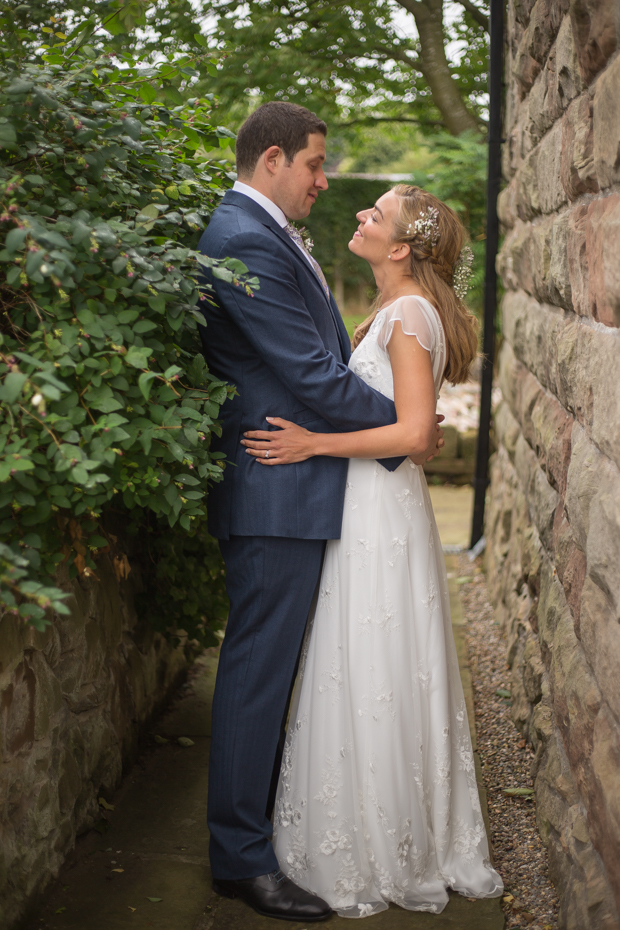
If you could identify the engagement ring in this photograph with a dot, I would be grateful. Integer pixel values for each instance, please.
(266, 455)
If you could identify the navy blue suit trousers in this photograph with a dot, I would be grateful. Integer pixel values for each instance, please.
(270, 582)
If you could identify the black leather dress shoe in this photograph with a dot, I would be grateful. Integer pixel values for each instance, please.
(274, 895)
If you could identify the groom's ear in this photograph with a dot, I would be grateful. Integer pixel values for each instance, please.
(272, 158)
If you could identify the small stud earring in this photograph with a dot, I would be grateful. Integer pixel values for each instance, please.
(389, 256)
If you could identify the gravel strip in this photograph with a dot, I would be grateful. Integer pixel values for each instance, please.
(530, 900)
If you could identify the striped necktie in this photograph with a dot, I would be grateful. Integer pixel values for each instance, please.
(297, 239)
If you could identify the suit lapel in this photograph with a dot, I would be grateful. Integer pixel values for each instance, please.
(255, 210)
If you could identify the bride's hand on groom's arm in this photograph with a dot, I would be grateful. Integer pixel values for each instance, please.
(289, 444)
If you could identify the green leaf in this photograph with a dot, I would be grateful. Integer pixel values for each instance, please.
(138, 356)
(33, 540)
(148, 93)
(12, 276)
(133, 127)
(25, 499)
(8, 136)
(225, 274)
(518, 792)
(172, 95)
(97, 542)
(194, 220)
(15, 238)
(155, 900)
(149, 212)
(144, 326)
(102, 398)
(158, 304)
(79, 474)
(146, 440)
(12, 386)
(20, 86)
(128, 316)
(145, 382)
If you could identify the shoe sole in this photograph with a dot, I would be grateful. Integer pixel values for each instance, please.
(225, 893)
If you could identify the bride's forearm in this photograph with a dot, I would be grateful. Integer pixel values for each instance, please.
(382, 442)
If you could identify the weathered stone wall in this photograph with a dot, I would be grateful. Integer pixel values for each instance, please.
(553, 521)
(73, 703)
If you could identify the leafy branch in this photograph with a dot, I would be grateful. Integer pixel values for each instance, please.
(107, 405)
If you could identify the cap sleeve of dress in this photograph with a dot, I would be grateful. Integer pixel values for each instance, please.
(416, 316)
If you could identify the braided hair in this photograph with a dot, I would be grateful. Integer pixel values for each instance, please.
(435, 246)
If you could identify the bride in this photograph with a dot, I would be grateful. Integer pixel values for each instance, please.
(377, 799)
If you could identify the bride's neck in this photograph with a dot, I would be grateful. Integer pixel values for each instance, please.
(393, 284)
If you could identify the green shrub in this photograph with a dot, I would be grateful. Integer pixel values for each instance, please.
(106, 402)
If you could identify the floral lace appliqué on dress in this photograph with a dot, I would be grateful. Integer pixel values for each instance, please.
(378, 741)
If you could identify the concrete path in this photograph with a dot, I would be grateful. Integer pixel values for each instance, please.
(151, 869)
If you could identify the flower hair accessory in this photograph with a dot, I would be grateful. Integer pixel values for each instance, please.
(463, 273)
(426, 227)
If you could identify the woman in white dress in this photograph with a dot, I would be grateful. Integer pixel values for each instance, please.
(377, 799)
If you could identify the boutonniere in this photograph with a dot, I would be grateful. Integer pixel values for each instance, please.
(306, 238)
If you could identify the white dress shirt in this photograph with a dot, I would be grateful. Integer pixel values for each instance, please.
(272, 209)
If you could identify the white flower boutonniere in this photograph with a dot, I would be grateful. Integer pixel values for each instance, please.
(306, 238)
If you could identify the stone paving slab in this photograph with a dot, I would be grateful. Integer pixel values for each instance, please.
(453, 509)
(158, 833)
(459, 914)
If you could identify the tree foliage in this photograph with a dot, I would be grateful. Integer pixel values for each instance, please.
(348, 62)
(107, 406)
(351, 62)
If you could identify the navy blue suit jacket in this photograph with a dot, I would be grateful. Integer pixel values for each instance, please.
(286, 349)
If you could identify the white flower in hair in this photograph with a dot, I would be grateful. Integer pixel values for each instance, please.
(463, 273)
(427, 226)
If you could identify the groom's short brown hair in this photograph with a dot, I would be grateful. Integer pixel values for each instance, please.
(286, 125)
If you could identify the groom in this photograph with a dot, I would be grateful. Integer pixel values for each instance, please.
(286, 349)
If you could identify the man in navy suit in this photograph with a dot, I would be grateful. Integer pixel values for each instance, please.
(286, 349)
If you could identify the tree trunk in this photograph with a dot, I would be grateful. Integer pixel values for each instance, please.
(433, 64)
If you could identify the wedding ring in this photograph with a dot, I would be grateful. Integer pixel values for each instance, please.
(266, 455)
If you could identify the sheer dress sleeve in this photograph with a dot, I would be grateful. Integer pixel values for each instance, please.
(417, 318)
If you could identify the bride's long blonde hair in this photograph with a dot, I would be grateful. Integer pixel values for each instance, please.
(432, 268)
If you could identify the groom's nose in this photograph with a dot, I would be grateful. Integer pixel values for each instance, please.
(321, 181)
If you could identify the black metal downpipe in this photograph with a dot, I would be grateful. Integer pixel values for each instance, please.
(490, 279)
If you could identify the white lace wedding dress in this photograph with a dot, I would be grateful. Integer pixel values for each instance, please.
(377, 799)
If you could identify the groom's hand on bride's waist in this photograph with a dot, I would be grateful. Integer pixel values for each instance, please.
(288, 444)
